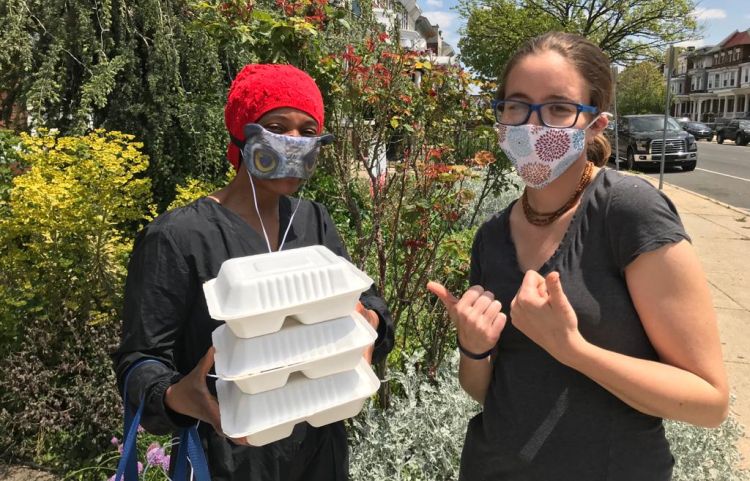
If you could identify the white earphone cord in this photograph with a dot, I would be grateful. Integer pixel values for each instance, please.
(263, 227)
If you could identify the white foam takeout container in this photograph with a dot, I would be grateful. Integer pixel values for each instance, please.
(254, 294)
(271, 415)
(265, 362)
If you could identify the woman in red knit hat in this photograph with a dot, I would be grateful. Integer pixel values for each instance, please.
(274, 116)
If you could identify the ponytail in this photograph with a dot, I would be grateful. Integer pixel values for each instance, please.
(599, 150)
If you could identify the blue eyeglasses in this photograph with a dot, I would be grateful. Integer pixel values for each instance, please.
(561, 115)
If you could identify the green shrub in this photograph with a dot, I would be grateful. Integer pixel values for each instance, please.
(10, 161)
(66, 230)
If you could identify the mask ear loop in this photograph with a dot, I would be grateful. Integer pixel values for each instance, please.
(602, 114)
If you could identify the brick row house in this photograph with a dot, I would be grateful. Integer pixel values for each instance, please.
(713, 81)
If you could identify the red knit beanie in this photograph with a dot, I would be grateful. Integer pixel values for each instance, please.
(260, 88)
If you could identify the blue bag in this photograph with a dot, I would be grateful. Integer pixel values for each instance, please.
(190, 448)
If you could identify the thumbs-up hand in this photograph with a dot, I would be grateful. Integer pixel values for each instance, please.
(541, 311)
(476, 315)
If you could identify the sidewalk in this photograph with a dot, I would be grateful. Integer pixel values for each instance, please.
(721, 236)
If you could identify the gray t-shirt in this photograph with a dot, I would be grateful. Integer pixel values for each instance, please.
(543, 421)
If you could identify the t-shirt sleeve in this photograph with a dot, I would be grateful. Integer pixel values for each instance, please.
(640, 218)
(158, 290)
(370, 298)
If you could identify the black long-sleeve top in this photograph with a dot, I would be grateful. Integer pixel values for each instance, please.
(166, 318)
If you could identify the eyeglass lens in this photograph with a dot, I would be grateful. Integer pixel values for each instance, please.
(553, 114)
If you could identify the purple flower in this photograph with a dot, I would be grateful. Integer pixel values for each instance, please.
(114, 441)
(155, 456)
(112, 478)
(165, 461)
(140, 467)
(140, 429)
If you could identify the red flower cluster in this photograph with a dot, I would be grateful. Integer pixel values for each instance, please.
(241, 11)
(350, 57)
(313, 10)
(415, 244)
(382, 74)
(432, 171)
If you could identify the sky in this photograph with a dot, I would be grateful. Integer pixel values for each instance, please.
(718, 18)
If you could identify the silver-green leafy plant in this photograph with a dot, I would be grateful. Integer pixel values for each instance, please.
(420, 436)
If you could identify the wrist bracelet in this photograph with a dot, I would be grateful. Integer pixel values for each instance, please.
(471, 355)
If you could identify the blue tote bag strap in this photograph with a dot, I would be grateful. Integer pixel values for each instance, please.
(192, 450)
(128, 465)
(189, 443)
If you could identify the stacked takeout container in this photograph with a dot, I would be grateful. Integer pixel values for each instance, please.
(292, 343)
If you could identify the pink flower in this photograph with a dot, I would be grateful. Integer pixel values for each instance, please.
(155, 456)
(114, 441)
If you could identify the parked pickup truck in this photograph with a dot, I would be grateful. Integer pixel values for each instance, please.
(640, 142)
(737, 130)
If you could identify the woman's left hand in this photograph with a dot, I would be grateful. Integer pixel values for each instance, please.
(541, 311)
(373, 319)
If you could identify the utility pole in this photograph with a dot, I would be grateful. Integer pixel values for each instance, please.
(670, 66)
(615, 117)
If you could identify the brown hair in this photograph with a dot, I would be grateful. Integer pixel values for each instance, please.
(591, 63)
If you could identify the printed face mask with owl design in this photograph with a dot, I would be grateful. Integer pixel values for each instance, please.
(273, 156)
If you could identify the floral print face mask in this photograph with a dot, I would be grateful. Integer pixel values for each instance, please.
(541, 154)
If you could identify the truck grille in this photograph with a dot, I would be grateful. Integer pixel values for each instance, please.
(673, 146)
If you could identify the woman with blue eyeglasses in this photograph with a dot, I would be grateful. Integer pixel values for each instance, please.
(589, 318)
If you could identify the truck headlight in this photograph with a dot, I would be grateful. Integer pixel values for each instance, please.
(691, 145)
(641, 145)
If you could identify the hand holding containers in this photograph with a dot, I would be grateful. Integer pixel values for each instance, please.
(257, 351)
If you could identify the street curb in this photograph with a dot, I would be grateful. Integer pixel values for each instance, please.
(705, 197)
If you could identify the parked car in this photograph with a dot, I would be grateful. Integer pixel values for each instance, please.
(698, 130)
(737, 130)
(640, 139)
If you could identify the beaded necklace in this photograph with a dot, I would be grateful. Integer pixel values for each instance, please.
(546, 218)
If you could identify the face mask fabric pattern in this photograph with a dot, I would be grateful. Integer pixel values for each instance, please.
(273, 156)
(540, 154)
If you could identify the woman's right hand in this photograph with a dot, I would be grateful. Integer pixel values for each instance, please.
(190, 396)
(477, 316)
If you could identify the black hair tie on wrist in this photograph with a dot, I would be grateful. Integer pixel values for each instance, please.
(471, 355)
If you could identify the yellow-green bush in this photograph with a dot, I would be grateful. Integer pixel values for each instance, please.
(66, 230)
(194, 189)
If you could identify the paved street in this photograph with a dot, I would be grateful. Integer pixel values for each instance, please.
(723, 173)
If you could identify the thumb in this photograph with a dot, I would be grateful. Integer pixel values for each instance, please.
(557, 297)
(207, 361)
(445, 296)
